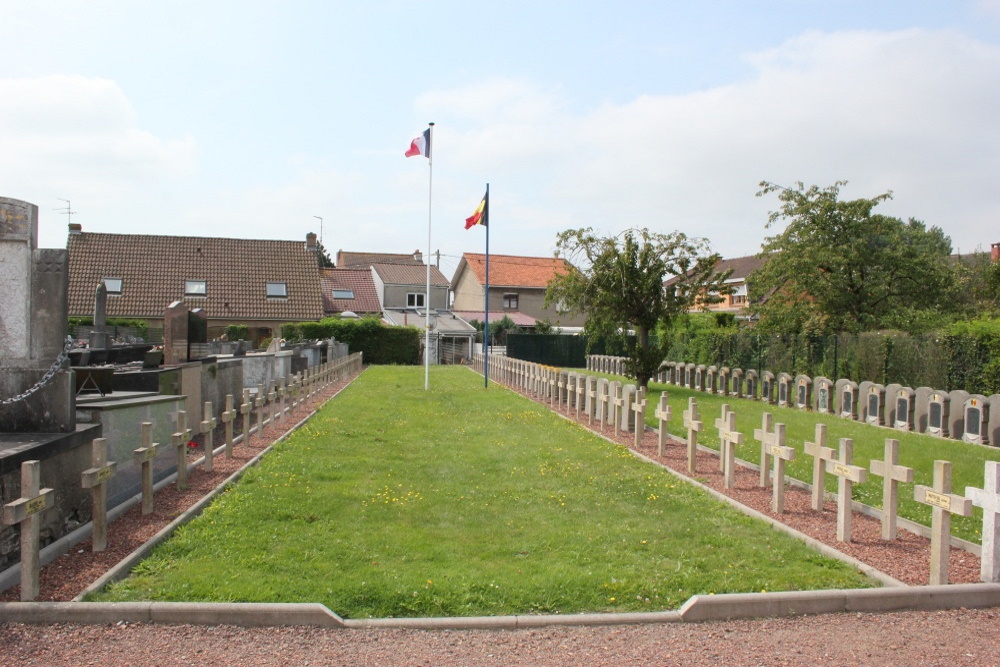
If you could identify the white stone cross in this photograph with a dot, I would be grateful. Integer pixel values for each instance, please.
(207, 426)
(944, 504)
(821, 454)
(561, 389)
(96, 479)
(663, 415)
(848, 475)
(591, 387)
(692, 422)
(25, 511)
(259, 404)
(228, 415)
(281, 393)
(639, 408)
(618, 401)
(989, 499)
(272, 402)
(780, 453)
(765, 436)
(245, 407)
(180, 441)
(143, 456)
(581, 393)
(892, 474)
(553, 385)
(729, 438)
(721, 423)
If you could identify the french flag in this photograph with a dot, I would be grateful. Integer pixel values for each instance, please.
(421, 145)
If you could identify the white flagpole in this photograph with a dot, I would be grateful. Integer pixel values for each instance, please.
(427, 299)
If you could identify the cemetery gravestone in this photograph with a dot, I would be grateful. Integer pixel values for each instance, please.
(823, 395)
(976, 419)
(615, 394)
(601, 404)
(663, 416)
(821, 454)
(725, 374)
(784, 389)
(722, 426)
(988, 498)
(956, 416)
(803, 392)
(752, 385)
(767, 387)
(25, 511)
(95, 478)
(779, 453)
(993, 425)
(207, 427)
(175, 334)
(944, 503)
(891, 473)
(625, 414)
(711, 375)
(921, 398)
(736, 387)
(180, 441)
(889, 404)
(699, 377)
(731, 438)
(143, 457)
(765, 436)
(848, 475)
(591, 408)
(847, 399)
(639, 416)
(875, 405)
(692, 422)
(904, 409)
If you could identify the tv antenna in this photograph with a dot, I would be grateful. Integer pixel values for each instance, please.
(68, 210)
(320, 228)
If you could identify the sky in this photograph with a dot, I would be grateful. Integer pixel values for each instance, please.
(250, 119)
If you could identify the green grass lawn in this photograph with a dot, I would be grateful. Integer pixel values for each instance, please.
(917, 451)
(393, 501)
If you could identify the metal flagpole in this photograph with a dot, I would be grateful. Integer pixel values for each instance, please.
(427, 298)
(486, 299)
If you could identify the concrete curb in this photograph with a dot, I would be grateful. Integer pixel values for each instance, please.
(174, 613)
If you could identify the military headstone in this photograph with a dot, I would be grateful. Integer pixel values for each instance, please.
(988, 498)
(892, 474)
(821, 454)
(944, 503)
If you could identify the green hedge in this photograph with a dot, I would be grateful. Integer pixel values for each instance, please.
(380, 344)
(139, 327)
(237, 332)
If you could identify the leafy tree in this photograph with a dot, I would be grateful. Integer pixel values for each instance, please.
(500, 328)
(619, 285)
(839, 266)
(543, 327)
(323, 256)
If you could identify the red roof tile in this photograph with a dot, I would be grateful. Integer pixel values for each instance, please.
(515, 271)
(360, 282)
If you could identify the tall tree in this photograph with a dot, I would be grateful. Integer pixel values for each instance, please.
(323, 256)
(839, 266)
(619, 284)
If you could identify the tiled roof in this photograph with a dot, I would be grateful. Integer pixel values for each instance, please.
(360, 282)
(515, 271)
(519, 318)
(741, 266)
(442, 321)
(364, 260)
(154, 269)
(415, 274)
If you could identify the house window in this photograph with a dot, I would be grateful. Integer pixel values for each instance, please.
(414, 300)
(510, 301)
(277, 290)
(343, 294)
(113, 285)
(195, 288)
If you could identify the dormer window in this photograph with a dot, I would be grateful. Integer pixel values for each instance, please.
(343, 294)
(113, 285)
(277, 290)
(195, 288)
(415, 300)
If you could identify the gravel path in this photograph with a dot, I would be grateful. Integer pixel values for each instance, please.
(959, 637)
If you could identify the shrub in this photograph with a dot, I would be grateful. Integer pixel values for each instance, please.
(238, 332)
(291, 332)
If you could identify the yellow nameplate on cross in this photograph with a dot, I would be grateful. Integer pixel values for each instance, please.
(841, 470)
(34, 506)
(938, 499)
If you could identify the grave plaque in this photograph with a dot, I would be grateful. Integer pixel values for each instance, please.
(767, 387)
(823, 395)
(803, 392)
(711, 375)
(874, 405)
(847, 395)
(699, 377)
(724, 379)
(784, 389)
(976, 419)
(904, 410)
(751, 382)
(736, 386)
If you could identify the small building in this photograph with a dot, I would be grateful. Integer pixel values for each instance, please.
(451, 338)
(517, 288)
(259, 283)
(405, 286)
(349, 291)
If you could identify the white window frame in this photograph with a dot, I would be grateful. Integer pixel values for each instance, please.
(284, 290)
(343, 294)
(113, 285)
(415, 299)
(191, 288)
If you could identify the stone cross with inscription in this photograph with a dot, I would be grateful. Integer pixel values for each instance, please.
(96, 479)
(639, 408)
(581, 394)
(259, 404)
(821, 454)
(281, 393)
(180, 441)
(272, 401)
(245, 407)
(720, 425)
(143, 456)
(25, 511)
(944, 503)
(228, 416)
(848, 475)
(988, 498)
(779, 453)
(207, 427)
(692, 422)
(892, 474)
(765, 436)
(729, 438)
(663, 415)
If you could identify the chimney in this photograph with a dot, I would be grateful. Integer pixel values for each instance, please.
(311, 242)
(77, 228)
(995, 253)
(418, 256)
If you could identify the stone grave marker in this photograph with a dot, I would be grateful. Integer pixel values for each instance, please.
(993, 427)
(228, 416)
(143, 456)
(25, 511)
(175, 334)
(903, 413)
(803, 392)
(725, 375)
(699, 377)
(847, 399)
(823, 395)
(580, 399)
(561, 387)
(591, 409)
(601, 402)
(207, 427)
(976, 419)
(198, 334)
(245, 407)
(663, 416)
(956, 416)
(692, 422)
(752, 385)
(784, 389)
(282, 390)
(259, 404)
(711, 376)
(779, 453)
(639, 415)
(988, 498)
(767, 387)
(944, 504)
(821, 454)
(180, 440)
(889, 404)
(736, 386)
(615, 403)
(848, 475)
(722, 426)
(875, 405)
(730, 437)
(625, 414)
(96, 479)
(272, 402)
(892, 474)
(765, 436)
(689, 375)
(921, 396)
(98, 338)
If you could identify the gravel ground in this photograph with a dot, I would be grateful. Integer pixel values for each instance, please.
(959, 637)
